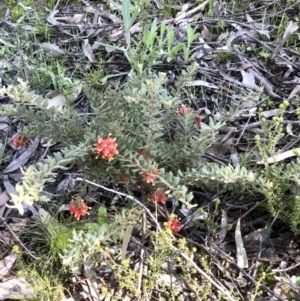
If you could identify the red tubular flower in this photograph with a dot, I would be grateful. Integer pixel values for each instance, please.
(159, 198)
(123, 179)
(78, 207)
(106, 148)
(20, 141)
(174, 225)
(198, 121)
(150, 177)
(183, 110)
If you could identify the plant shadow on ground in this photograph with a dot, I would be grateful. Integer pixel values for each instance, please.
(159, 149)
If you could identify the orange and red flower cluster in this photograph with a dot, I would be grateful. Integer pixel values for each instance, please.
(174, 225)
(184, 110)
(20, 141)
(150, 177)
(159, 198)
(106, 148)
(78, 207)
(198, 121)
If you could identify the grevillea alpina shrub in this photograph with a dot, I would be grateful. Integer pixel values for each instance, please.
(140, 132)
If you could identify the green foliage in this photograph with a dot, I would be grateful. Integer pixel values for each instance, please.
(278, 179)
(147, 122)
(268, 277)
(16, 9)
(155, 43)
(45, 283)
(225, 56)
(35, 177)
(158, 42)
(264, 53)
(87, 243)
(97, 77)
(153, 139)
(62, 126)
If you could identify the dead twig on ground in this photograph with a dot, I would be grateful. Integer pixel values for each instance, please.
(18, 240)
(219, 287)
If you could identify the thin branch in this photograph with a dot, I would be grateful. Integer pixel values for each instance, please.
(222, 289)
(17, 239)
(128, 197)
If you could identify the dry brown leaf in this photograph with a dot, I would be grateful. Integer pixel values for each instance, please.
(282, 156)
(258, 235)
(18, 224)
(159, 191)
(56, 99)
(257, 131)
(51, 18)
(25, 156)
(252, 23)
(184, 14)
(76, 18)
(205, 51)
(269, 113)
(52, 49)
(296, 90)
(248, 78)
(17, 288)
(126, 240)
(233, 80)
(103, 14)
(201, 83)
(205, 109)
(3, 126)
(224, 223)
(6, 264)
(247, 148)
(181, 15)
(31, 29)
(65, 185)
(236, 34)
(88, 51)
(264, 82)
(4, 197)
(291, 28)
(242, 259)
(90, 285)
(220, 149)
(207, 35)
(8, 186)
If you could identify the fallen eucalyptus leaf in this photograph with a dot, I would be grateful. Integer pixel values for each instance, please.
(291, 28)
(21, 160)
(56, 99)
(52, 50)
(17, 288)
(88, 51)
(224, 223)
(6, 264)
(282, 156)
(296, 90)
(242, 260)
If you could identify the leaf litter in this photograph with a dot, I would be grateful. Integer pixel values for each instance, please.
(223, 67)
